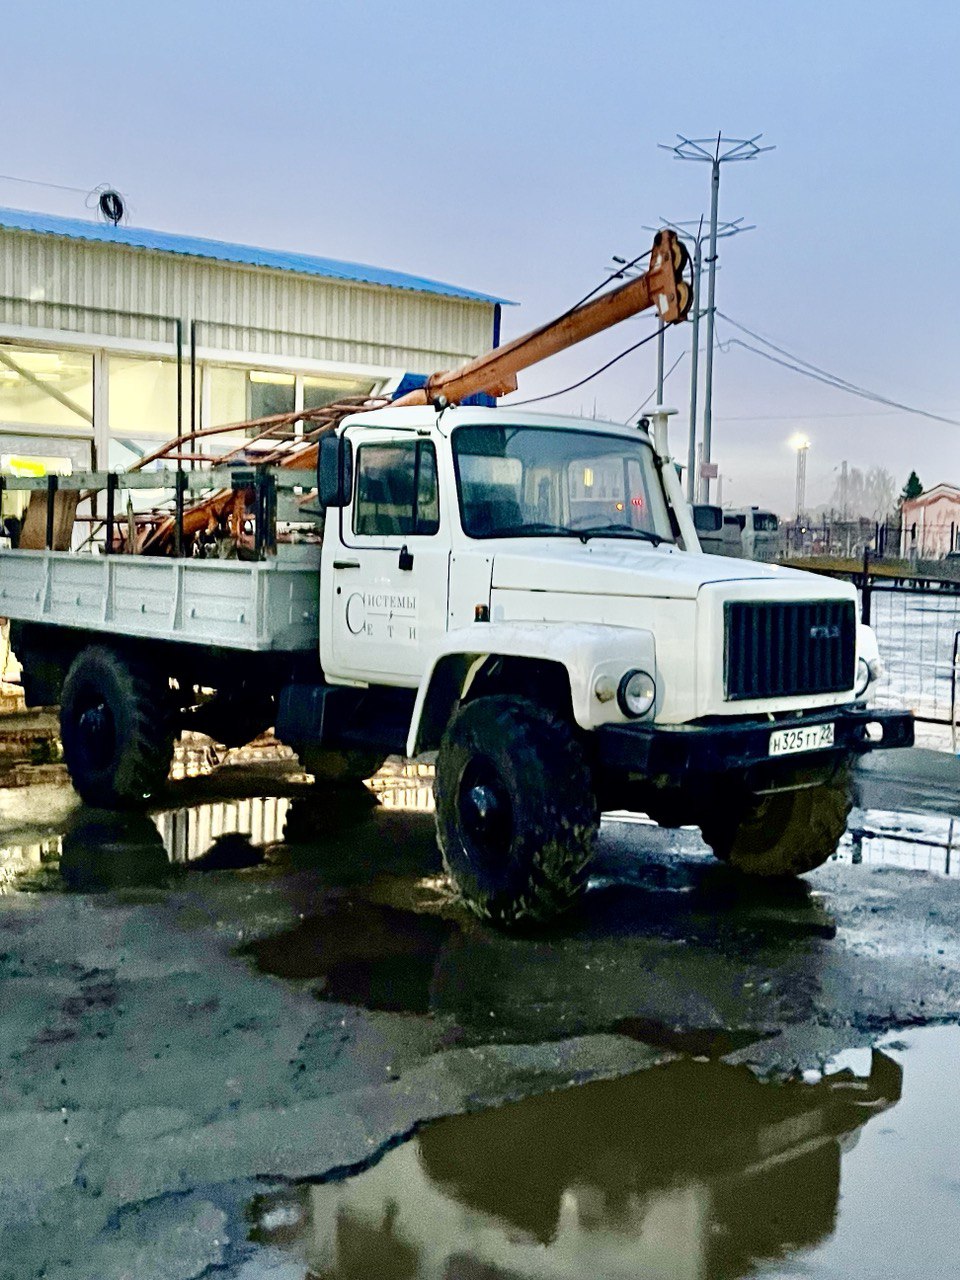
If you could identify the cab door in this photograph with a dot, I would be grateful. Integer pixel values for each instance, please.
(391, 570)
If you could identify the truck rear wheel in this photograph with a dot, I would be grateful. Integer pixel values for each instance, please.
(116, 725)
(516, 818)
(784, 833)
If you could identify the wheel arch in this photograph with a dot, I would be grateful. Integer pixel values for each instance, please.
(461, 677)
(559, 662)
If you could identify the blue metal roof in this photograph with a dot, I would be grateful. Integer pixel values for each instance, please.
(221, 251)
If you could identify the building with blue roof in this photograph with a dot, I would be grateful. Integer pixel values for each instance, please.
(114, 337)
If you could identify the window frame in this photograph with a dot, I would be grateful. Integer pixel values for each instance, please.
(546, 427)
(85, 426)
(418, 445)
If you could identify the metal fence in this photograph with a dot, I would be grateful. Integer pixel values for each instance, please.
(841, 539)
(917, 629)
(912, 603)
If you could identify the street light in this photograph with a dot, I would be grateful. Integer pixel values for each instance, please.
(801, 444)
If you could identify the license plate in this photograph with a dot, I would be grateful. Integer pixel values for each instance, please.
(811, 737)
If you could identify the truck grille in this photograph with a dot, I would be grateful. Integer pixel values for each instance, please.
(778, 649)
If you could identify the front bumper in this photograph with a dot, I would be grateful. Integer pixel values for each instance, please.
(684, 749)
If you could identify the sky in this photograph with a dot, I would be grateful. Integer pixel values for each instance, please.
(513, 147)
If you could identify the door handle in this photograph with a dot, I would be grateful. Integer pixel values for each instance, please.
(346, 564)
(406, 559)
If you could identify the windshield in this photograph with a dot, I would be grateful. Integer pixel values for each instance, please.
(549, 481)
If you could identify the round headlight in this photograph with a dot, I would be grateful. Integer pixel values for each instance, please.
(863, 677)
(636, 694)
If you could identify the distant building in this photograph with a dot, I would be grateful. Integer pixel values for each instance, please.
(930, 524)
(112, 336)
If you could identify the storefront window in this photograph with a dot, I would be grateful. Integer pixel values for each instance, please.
(127, 450)
(46, 388)
(143, 398)
(269, 392)
(225, 400)
(320, 391)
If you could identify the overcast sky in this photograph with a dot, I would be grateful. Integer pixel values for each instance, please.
(512, 147)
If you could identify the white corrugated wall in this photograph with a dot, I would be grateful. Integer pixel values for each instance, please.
(53, 283)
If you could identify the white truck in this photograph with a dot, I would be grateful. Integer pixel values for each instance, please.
(521, 593)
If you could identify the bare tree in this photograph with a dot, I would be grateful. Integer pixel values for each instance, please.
(871, 493)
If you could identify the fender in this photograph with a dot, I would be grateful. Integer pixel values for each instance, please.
(588, 652)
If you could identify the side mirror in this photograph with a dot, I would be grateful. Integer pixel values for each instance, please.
(334, 471)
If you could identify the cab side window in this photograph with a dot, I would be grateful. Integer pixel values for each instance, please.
(397, 492)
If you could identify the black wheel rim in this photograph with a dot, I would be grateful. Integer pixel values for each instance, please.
(96, 732)
(485, 809)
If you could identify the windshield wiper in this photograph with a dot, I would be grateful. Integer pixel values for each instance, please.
(618, 530)
(518, 530)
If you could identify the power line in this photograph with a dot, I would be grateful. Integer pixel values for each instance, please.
(790, 356)
(515, 404)
(800, 417)
(35, 182)
(798, 365)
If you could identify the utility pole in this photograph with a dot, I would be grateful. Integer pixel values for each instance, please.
(693, 485)
(693, 234)
(716, 152)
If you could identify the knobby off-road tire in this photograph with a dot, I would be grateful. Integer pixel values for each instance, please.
(117, 728)
(516, 818)
(783, 834)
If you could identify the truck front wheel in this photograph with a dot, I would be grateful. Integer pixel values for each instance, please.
(781, 833)
(516, 816)
(116, 726)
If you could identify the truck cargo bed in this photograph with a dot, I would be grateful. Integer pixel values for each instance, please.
(259, 606)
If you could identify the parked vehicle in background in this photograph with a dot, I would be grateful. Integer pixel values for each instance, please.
(746, 533)
(708, 522)
(759, 533)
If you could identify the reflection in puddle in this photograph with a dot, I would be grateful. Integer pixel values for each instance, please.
(236, 833)
(404, 786)
(688, 1171)
(102, 850)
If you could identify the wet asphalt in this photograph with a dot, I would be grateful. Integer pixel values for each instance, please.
(210, 1014)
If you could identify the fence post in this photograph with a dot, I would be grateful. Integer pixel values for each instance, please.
(111, 512)
(51, 507)
(865, 589)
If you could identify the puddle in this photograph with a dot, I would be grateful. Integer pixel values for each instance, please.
(98, 850)
(363, 953)
(102, 850)
(634, 958)
(918, 842)
(356, 834)
(689, 1171)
